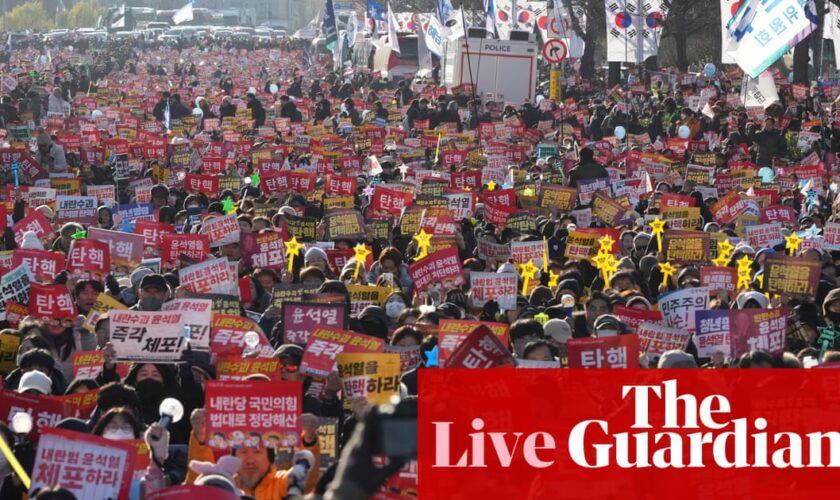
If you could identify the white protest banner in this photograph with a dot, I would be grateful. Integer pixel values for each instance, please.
(106, 194)
(434, 36)
(210, 276)
(760, 92)
(221, 230)
(80, 209)
(500, 287)
(523, 251)
(89, 466)
(657, 339)
(14, 287)
(197, 316)
(678, 307)
(147, 336)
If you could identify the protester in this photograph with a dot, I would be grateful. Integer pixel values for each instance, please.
(224, 256)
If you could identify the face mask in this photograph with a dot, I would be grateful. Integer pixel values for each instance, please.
(150, 391)
(151, 303)
(393, 309)
(118, 434)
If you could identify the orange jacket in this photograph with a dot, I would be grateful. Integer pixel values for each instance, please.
(275, 484)
(200, 452)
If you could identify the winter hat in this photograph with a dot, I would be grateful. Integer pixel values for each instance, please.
(31, 241)
(227, 466)
(47, 211)
(37, 381)
(315, 252)
(558, 329)
(677, 359)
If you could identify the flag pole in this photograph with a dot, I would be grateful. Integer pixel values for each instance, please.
(467, 43)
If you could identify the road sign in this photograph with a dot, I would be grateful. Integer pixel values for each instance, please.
(554, 51)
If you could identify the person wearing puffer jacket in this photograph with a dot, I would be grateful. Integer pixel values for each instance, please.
(391, 261)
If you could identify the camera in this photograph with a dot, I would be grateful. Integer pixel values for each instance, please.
(395, 433)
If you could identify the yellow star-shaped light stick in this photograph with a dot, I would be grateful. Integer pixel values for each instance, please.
(744, 265)
(725, 248)
(545, 254)
(491, 186)
(528, 271)
(667, 270)
(657, 226)
(424, 241)
(553, 278)
(792, 243)
(606, 244)
(721, 260)
(361, 252)
(292, 250)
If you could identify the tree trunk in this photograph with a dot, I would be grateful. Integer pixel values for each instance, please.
(800, 61)
(652, 63)
(682, 51)
(587, 62)
(615, 74)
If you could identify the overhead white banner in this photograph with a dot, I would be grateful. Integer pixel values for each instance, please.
(434, 36)
(764, 31)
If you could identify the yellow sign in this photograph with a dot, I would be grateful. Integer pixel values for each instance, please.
(373, 376)
(103, 304)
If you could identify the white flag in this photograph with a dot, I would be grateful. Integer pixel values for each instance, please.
(503, 12)
(183, 14)
(755, 38)
(352, 28)
(457, 30)
(759, 92)
(634, 37)
(728, 8)
(393, 41)
(434, 37)
(424, 57)
(832, 30)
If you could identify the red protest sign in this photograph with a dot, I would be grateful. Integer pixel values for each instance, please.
(481, 349)
(195, 247)
(324, 344)
(43, 264)
(126, 249)
(389, 200)
(757, 329)
(253, 414)
(671, 200)
(619, 351)
(36, 222)
(719, 279)
(452, 332)
(87, 465)
(469, 179)
(45, 411)
(340, 185)
(442, 267)
(84, 402)
(88, 364)
(152, 232)
(635, 317)
(232, 367)
(197, 183)
(776, 213)
(29, 167)
(89, 259)
(728, 207)
(51, 302)
(229, 336)
(300, 319)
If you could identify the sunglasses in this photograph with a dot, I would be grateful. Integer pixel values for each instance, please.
(291, 368)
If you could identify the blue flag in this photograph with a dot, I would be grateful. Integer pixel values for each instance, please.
(375, 11)
(328, 26)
